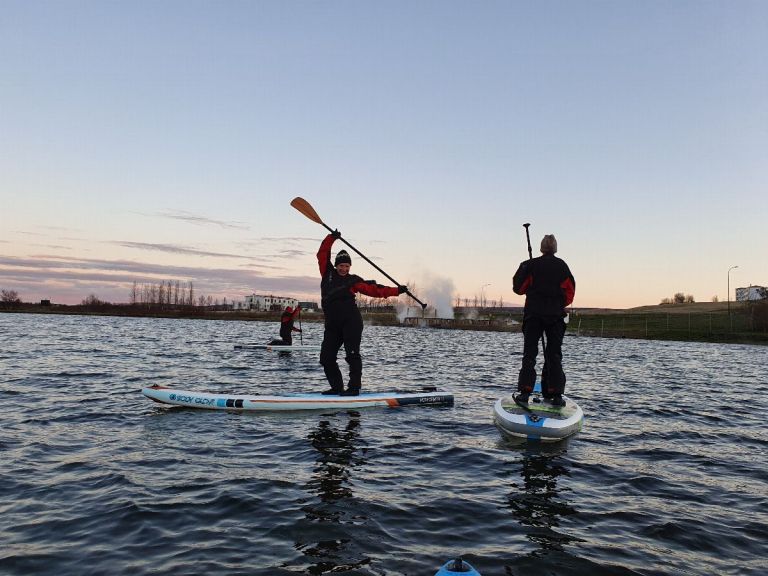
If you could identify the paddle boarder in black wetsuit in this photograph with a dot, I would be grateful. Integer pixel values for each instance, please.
(343, 323)
(287, 318)
(549, 287)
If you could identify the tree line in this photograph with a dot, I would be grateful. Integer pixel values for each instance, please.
(679, 298)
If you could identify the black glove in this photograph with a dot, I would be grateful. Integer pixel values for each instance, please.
(336, 234)
(402, 289)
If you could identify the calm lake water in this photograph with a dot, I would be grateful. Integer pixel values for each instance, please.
(668, 475)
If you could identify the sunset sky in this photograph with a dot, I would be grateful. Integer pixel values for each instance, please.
(147, 141)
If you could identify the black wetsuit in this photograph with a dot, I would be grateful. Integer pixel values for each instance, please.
(549, 287)
(343, 323)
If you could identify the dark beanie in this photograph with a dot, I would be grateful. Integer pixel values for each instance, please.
(342, 258)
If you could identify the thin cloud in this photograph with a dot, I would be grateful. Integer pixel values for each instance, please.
(54, 246)
(295, 253)
(173, 249)
(69, 280)
(202, 220)
(286, 239)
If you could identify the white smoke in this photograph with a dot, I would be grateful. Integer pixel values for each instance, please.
(435, 291)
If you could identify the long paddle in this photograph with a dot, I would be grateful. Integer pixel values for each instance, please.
(301, 334)
(306, 208)
(530, 257)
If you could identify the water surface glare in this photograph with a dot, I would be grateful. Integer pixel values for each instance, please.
(668, 475)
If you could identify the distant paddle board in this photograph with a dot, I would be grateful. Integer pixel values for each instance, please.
(457, 567)
(538, 419)
(251, 402)
(280, 347)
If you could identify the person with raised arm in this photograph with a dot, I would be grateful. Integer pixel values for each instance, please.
(343, 322)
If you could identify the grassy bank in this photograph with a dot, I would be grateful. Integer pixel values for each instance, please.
(706, 322)
(697, 322)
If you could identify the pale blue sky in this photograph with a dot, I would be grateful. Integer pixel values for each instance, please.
(149, 140)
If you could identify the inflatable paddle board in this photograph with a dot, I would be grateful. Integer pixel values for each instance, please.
(538, 419)
(252, 402)
(280, 347)
(457, 567)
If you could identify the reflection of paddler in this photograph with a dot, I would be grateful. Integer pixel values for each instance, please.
(336, 451)
(343, 323)
(332, 512)
(537, 503)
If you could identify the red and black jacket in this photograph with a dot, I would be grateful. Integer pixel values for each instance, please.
(286, 323)
(337, 290)
(548, 285)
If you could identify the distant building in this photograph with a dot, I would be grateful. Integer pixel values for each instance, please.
(309, 306)
(261, 303)
(751, 293)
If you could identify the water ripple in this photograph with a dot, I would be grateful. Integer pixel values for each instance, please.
(667, 477)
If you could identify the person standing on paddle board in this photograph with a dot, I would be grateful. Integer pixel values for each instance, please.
(287, 318)
(549, 287)
(343, 322)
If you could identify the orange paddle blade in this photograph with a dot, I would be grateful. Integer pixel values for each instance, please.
(306, 208)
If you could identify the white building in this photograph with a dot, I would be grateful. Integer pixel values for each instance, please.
(751, 293)
(262, 303)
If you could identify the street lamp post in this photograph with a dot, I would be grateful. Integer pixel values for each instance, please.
(729, 290)
(482, 295)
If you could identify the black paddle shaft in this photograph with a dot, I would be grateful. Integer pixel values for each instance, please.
(530, 257)
(364, 257)
(528, 237)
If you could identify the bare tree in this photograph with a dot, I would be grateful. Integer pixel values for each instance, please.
(9, 297)
(92, 300)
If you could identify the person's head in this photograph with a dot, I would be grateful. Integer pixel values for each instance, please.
(343, 262)
(289, 309)
(549, 244)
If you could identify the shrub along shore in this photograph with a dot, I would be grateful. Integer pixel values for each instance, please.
(697, 322)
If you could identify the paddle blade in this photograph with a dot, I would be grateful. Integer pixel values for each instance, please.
(306, 208)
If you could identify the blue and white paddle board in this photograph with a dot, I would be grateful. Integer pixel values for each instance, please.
(253, 402)
(457, 567)
(538, 419)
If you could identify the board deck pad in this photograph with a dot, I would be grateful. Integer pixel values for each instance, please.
(542, 407)
(538, 419)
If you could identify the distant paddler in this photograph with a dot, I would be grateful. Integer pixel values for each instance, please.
(343, 322)
(287, 319)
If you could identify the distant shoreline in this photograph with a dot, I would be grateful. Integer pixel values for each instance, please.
(692, 322)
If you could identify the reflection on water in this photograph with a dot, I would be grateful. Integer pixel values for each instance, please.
(332, 508)
(97, 479)
(536, 500)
